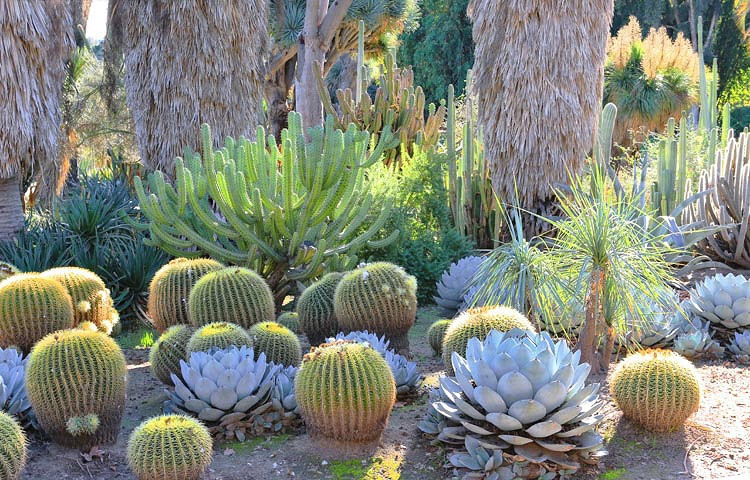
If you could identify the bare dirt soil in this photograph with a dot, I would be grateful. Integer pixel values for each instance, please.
(713, 444)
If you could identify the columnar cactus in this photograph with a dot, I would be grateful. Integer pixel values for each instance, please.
(91, 299)
(236, 295)
(12, 448)
(315, 308)
(219, 335)
(13, 397)
(170, 447)
(522, 397)
(6, 270)
(345, 392)
(280, 344)
(169, 349)
(723, 300)
(380, 298)
(656, 388)
(477, 323)
(290, 320)
(32, 306)
(454, 283)
(435, 335)
(170, 288)
(76, 381)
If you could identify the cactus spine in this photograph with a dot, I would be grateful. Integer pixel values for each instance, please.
(169, 349)
(315, 308)
(477, 323)
(380, 298)
(12, 448)
(219, 335)
(345, 391)
(236, 295)
(658, 389)
(435, 335)
(169, 447)
(32, 306)
(91, 299)
(170, 288)
(290, 320)
(280, 344)
(76, 382)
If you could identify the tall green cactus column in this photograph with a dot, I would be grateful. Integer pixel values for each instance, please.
(284, 209)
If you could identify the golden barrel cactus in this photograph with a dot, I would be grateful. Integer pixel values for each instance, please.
(219, 335)
(169, 349)
(12, 448)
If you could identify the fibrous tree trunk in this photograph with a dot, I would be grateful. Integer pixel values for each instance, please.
(11, 211)
(112, 56)
(538, 74)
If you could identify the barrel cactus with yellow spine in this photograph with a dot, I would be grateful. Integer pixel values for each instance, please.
(170, 447)
(235, 295)
(380, 298)
(169, 349)
(91, 298)
(169, 290)
(435, 335)
(280, 344)
(477, 323)
(76, 382)
(31, 306)
(345, 391)
(290, 320)
(656, 388)
(219, 335)
(315, 308)
(12, 448)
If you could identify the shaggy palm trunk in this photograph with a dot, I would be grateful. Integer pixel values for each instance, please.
(538, 74)
(588, 340)
(112, 57)
(11, 208)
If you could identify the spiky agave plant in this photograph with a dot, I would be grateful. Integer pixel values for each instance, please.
(522, 398)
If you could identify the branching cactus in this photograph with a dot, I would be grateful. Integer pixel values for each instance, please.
(283, 209)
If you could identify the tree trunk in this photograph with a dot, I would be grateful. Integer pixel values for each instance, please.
(11, 208)
(309, 52)
(112, 56)
(80, 9)
(588, 339)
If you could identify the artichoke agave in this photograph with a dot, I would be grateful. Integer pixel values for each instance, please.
(694, 341)
(234, 394)
(13, 398)
(453, 285)
(723, 300)
(405, 373)
(522, 398)
(740, 347)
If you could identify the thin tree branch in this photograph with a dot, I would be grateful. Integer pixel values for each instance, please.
(332, 21)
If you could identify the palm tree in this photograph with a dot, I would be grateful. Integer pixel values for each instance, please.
(538, 73)
(188, 63)
(36, 41)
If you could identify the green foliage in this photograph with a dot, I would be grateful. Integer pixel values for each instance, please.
(733, 51)
(169, 447)
(345, 391)
(650, 13)
(12, 448)
(233, 294)
(77, 379)
(31, 306)
(286, 208)
(315, 308)
(280, 344)
(380, 298)
(740, 118)
(441, 50)
(219, 335)
(139, 338)
(169, 349)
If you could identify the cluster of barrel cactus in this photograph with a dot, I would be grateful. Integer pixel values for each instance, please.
(315, 308)
(519, 404)
(13, 397)
(235, 393)
(455, 281)
(405, 373)
(656, 388)
(378, 297)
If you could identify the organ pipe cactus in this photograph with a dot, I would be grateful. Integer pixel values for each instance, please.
(723, 300)
(523, 395)
(283, 209)
(13, 398)
(740, 347)
(453, 284)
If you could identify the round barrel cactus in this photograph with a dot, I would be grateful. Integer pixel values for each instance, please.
(723, 300)
(345, 392)
(315, 308)
(290, 320)
(169, 349)
(522, 398)
(12, 448)
(656, 388)
(280, 344)
(435, 335)
(7, 270)
(169, 290)
(91, 300)
(454, 283)
(13, 397)
(218, 335)
(170, 447)
(477, 323)
(76, 382)
(380, 298)
(236, 295)
(31, 306)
